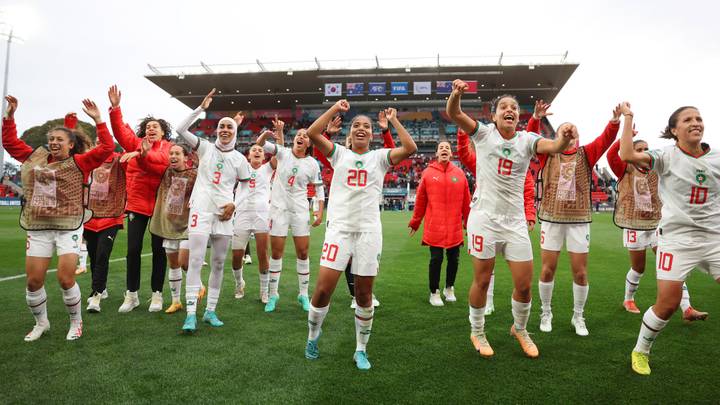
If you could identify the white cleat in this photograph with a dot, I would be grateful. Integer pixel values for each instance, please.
(131, 302)
(264, 297)
(353, 304)
(36, 332)
(449, 294)
(489, 308)
(579, 323)
(546, 321)
(376, 303)
(247, 259)
(435, 299)
(156, 302)
(75, 330)
(94, 303)
(104, 296)
(240, 290)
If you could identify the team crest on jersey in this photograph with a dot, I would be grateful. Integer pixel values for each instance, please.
(700, 176)
(506, 151)
(253, 175)
(219, 165)
(75, 238)
(358, 164)
(294, 170)
(454, 179)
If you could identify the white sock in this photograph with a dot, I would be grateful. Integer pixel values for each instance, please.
(275, 271)
(546, 292)
(264, 281)
(213, 290)
(650, 328)
(363, 326)
(491, 288)
(37, 302)
(191, 298)
(238, 273)
(685, 300)
(477, 319)
(580, 293)
(632, 282)
(198, 247)
(316, 316)
(521, 313)
(72, 299)
(217, 267)
(83, 255)
(303, 272)
(175, 280)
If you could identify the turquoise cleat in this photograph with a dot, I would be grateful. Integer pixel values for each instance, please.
(304, 301)
(361, 361)
(270, 306)
(211, 318)
(190, 325)
(312, 351)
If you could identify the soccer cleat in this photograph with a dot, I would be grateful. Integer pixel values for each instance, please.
(94, 303)
(528, 346)
(247, 259)
(201, 293)
(75, 330)
(156, 302)
(691, 314)
(435, 299)
(104, 295)
(481, 344)
(264, 297)
(190, 324)
(174, 307)
(546, 321)
(449, 294)
(376, 303)
(36, 332)
(131, 302)
(272, 302)
(579, 323)
(304, 301)
(361, 361)
(630, 306)
(211, 318)
(489, 308)
(312, 351)
(640, 363)
(353, 303)
(80, 270)
(240, 289)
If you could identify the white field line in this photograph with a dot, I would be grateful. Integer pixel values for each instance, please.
(15, 277)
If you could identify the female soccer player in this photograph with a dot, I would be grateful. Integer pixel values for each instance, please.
(289, 209)
(496, 221)
(438, 201)
(141, 188)
(53, 179)
(637, 212)
(689, 228)
(353, 229)
(211, 209)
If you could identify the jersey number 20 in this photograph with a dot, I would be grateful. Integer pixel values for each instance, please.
(357, 178)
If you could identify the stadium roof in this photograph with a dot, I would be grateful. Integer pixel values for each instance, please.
(273, 85)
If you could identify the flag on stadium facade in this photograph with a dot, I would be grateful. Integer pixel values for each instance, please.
(472, 86)
(399, 88)
(422, 88)
(443, 86)
(376, 88)
(333, 89)
(355, 89)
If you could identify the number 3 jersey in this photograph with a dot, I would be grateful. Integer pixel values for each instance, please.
(502, 165)
(356, 189)
(217, 174)
(688, 189)
(292, 176)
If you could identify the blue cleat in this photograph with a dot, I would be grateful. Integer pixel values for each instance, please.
(312, 351)
(361, 361)
(211, 318)
(270, 306)
(190, 325)
(304, 301)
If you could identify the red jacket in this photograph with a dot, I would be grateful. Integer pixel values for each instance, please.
(616, 164)
(100, 224)
(594, 150)
(438, 199)
(141, 185)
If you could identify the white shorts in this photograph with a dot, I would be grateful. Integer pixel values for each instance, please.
(209, 223)
(489, 236)
(675, 260)
(45, 243)
(173, 245)
(364, 248)
(281, 221)
(639, 240)
(576, 237)
(253, 221)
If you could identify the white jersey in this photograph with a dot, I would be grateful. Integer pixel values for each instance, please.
(217, 174)
(501, 167)
(688, 188)
(356, 188)
(292, 176)
(254, 194)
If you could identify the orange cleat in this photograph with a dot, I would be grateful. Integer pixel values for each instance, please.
(691, 314)
(201, 294)
(631, 307)
(481, 344)
(528, 346)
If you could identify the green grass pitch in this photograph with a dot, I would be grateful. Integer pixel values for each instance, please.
(419, 353)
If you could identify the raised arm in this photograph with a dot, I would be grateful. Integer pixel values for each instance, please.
(96, 156)
(407, 144)
(122, 131)
(561, 142)
(183, 129)
(18, 149)
(465, 153)
(388, 142)
(627, 153)
(453, 109)
(595, 149)
(616, 164)
(540, 111)
(315, 132)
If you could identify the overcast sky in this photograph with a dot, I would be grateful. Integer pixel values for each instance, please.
(657, 54)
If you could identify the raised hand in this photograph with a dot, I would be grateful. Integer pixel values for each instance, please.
(382, 120)
(264, 136)
(390, 114)
(625, 108)
(92, 110)
(569, 131)
(459, 86)
(616, 114)
(334, 126)
(127, 156)
(278, 124)
(342, 106)
(541, 109)
(12, 106)
(114, 95)
(145, 146)
(207, 100)
(239, 118)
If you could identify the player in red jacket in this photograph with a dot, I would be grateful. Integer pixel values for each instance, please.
(438, 201)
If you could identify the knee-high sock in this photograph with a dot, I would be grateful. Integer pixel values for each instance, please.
(632, 282)
(238, 274)
(197, 244)
(491, 287)
(72, 299)
(521, 313)
(650, 328)
(217, 266)
(546, 292)
(264, 281)
(316, 316)
(175, 281)
(685, 300)
(303, 272)
(477, 319)
(363, 326)
(580, 293)
(37, 302)
(275, 270)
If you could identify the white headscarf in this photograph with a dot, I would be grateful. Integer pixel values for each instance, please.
(230, 146)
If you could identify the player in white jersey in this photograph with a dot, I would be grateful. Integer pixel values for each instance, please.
(289, 209)
(497, 220)
(689, 229)
(353, 228)
(211, 209)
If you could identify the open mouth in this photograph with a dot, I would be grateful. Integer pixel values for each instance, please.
(509, 118)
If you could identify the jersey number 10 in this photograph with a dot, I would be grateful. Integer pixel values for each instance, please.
(698, 195)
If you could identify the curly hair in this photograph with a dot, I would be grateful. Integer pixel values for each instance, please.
(164, 125)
